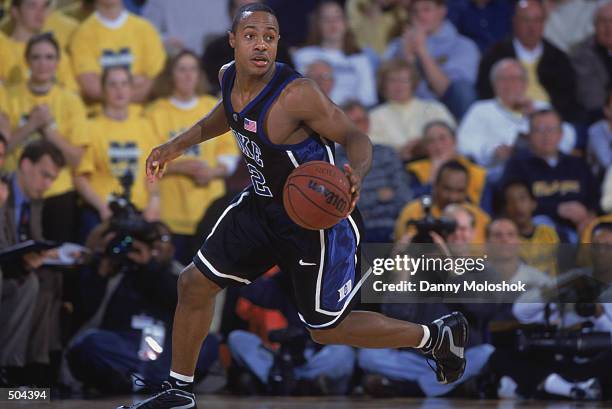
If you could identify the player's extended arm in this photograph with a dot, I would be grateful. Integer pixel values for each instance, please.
(212, 125)
(306, 103)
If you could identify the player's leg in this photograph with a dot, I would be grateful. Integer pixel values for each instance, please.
(366, 329)
(192, 319)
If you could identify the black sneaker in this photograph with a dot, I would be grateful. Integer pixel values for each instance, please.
(168, 398)
(448, 349)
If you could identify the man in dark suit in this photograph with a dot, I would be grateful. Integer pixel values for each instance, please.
(21, 220)
(551, 77)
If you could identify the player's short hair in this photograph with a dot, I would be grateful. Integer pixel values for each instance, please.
(107, 70)
(36, 150)
(441, 123)
(250, 8)
(47, 37)
(452, 165)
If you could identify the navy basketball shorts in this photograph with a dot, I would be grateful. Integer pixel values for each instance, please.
(324, 266)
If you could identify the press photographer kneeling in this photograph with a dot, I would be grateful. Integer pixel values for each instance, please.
(128, 296)
(569, 353)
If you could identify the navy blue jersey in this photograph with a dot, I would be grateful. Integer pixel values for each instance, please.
(269, 164)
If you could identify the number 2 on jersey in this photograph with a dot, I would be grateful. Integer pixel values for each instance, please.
(259, 181)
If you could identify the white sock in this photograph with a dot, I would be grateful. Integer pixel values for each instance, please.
(181, 377)
(426, 336)
(556, 385)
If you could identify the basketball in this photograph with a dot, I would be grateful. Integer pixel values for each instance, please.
(317, 195)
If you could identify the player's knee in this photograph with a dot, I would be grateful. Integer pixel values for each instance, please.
(192, 284)
(326, 336)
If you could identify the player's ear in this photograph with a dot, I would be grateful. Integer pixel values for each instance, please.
(232, 39)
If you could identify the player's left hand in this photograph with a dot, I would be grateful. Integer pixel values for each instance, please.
(355, 181)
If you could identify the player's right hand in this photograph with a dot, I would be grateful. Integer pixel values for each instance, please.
(158, 159)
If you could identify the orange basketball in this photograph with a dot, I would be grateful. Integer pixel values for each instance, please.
(317, 195)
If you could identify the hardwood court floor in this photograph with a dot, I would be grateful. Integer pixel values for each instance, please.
(225, 402)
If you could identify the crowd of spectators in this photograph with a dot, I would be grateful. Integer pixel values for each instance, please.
(495, 109)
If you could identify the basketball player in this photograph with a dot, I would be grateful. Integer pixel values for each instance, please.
(280, 121)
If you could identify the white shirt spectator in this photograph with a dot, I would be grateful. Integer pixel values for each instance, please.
(353, 74)
(577, 14)
(488, 124)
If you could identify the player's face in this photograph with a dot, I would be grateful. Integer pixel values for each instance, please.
(603, 27)
(528, 23)
(38, 176)
(118, 89)
(32, 14)
(43, 60)
(186, 75)
(451, 188)
(332, 22)
(545, 135)
(519, 204)
(439, 142)
(398, 86)
(255, 42)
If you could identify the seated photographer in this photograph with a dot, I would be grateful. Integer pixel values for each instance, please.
(128, 297)
(397, 372)
(298, 366)
(27, 319)
(570, 354)
(114, 162)
(450, 186)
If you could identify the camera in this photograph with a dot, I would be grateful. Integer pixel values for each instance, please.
(127, 223)
(443, 225)
(549, 339)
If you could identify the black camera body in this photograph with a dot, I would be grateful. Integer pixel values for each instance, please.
(127, 223)
(574, 343)
(442, 226)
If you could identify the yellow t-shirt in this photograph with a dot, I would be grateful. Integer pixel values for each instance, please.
(115, 147)
(183, 203)
(535, 90)
(477, 175)
(6, 57)
(135, 43)
(69, 113)
(414, 211)
(539, 250)
(15, 69)
(57, 22)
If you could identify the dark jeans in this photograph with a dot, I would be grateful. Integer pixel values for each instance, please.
(107, 359)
